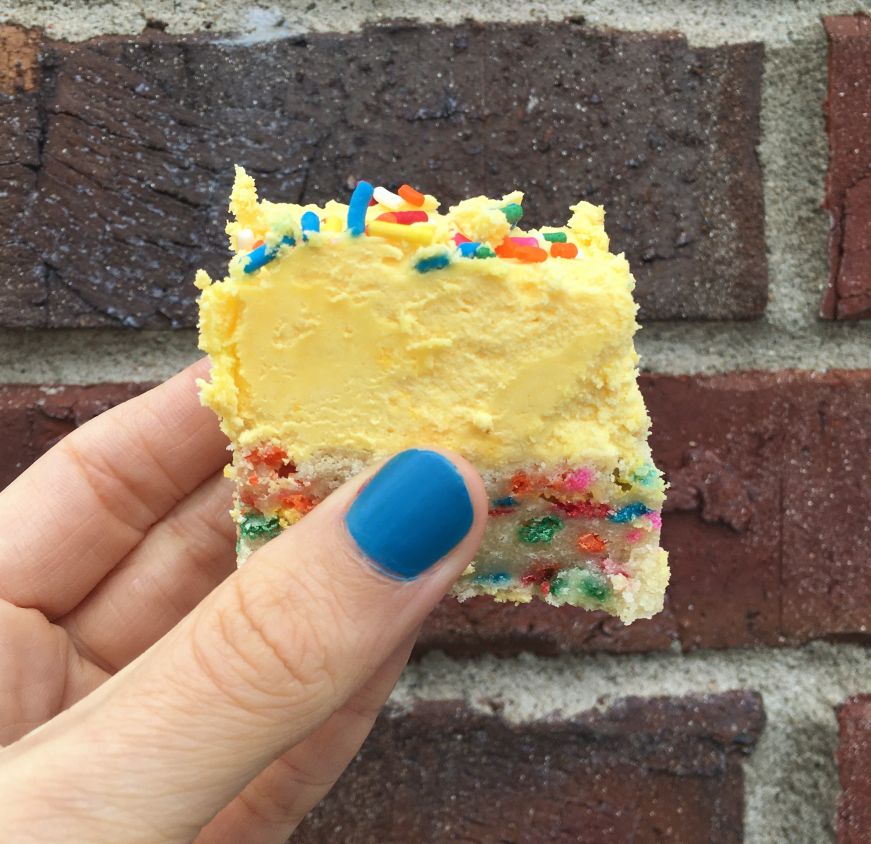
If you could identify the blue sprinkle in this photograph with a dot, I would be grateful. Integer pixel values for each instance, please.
(357, 208)
(467, 250)
(310, 222)
(262, 256)
(496, 578)
(434, 262)
(508, 501)
(629, 512)
(646, 476)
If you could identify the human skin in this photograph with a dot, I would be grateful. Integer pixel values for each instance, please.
(150, 692)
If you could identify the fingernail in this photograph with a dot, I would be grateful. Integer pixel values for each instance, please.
(411, 513)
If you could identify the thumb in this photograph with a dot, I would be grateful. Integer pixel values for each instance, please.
(264, 660)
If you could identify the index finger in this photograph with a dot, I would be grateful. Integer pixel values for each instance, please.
(83, 506)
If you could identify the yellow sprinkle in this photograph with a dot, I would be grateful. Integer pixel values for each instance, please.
(331, 224)
(417, 232)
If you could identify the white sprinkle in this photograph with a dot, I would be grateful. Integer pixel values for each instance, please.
(244, 240)
(388, 198)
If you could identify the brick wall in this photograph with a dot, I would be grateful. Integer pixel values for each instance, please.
(715, 138)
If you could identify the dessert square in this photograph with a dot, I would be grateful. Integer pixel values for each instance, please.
(344, 333)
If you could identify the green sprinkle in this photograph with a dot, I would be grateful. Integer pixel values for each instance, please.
(555, 237)
(540, 530)
(258, 526)
(594, 585)
(559, 586)
(513, 212)
(484, 252)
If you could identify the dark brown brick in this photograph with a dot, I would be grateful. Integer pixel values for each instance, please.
(33, 419)
(848, 184)
(141, 135)
(660, 769)
(854, 772)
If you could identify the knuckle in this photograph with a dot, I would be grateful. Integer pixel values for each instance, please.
(264, 651)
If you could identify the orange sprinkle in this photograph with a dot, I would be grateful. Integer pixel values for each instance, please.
(271, 455)
(520, 482)
(253, 479)
(506, 249)
(300, 502)
(411, 196)
(389, 217)
(530, 254)
(258, 243)
(563, 250)
(591, 543)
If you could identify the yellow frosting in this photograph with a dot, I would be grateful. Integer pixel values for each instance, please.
(341, 344)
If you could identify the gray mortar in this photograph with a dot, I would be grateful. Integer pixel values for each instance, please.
(793, 154)
(791, 778)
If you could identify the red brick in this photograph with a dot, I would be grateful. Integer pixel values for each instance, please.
(854, 772)
(142, 133)
(765, 520)
(848, 184)
(644, 770)
(34, 418)
(767, 517)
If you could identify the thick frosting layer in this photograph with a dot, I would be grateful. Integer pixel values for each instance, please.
(390, 339)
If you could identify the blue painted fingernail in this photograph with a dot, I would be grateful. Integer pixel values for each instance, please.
(411, 513)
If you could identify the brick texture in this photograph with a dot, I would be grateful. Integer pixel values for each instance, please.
(765, 520)
(854, 751)
(138, 137)
(848, 185)
(22, 277)
(765, 523)
(33, 419)
(644, 770)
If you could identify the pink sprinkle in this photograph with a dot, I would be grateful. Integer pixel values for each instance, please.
(579, 480)
(610, 566)
(632, 536)
(461, 238)
(524, 241)
(655, 520)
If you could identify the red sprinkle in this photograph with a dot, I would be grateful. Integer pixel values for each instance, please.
(591, 543)
(540, 573)
(404, 218)
(582, 509)
(273, 456)
(411, 196)
(461, 238)
(500, 511)
(563, 250)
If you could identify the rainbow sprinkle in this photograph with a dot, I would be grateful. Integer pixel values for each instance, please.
(310, 222)
(261, 256)
(513, 213)
(629, 512)
(357, 206)
(434, 262)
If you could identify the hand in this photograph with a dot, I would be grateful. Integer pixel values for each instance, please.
(148, 691)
